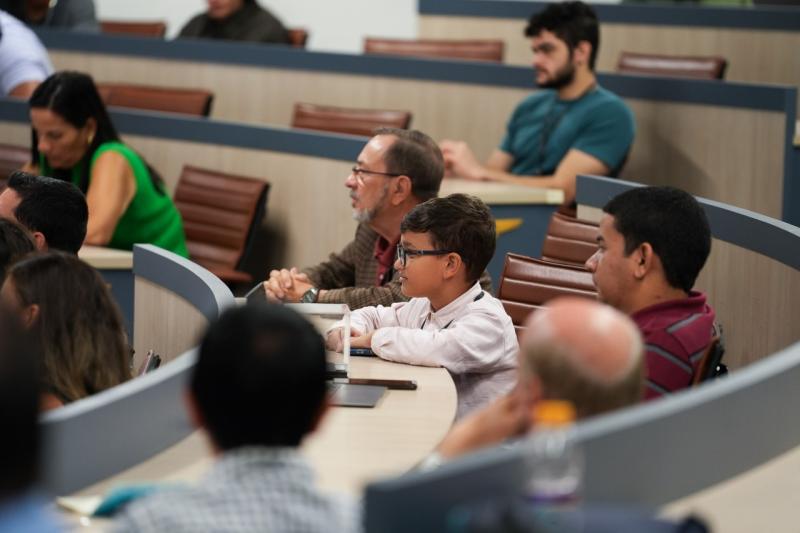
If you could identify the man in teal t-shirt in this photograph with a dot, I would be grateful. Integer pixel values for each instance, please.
(572, 127)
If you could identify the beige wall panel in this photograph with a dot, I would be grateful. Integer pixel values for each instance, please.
(164, 322)
(676, 144)
(753, 55)
(476, 114)
(757, 301)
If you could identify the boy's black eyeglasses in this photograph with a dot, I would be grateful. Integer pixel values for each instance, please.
(403, 254)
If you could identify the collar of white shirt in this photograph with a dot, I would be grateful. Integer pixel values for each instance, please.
(444, 316)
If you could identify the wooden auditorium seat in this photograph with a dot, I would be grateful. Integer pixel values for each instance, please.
(700, 67)
(569, 240)
(220, 214)
(154, 28)
(347, 120)
(298, 37)
(526, 284)
(170, 99)
(474, 49)
(12, 158)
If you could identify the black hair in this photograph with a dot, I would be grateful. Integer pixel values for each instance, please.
(572, 22)
(53, 207)
(74, 97)
(15, 242)
(260, 377)
(417, 156)
(458, 223)
(19, 417)
(672, 222)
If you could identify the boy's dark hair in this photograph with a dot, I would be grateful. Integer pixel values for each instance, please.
(15, 242)
(19, 396)
(53, 207)
(417, 156)
(572, 22)
(260, 377)
(672, 222)
(458, 223)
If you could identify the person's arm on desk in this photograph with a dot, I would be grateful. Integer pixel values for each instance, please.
(460, 160)
(111, 190)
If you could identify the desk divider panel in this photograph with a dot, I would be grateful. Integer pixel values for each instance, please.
(101, 435)
(726, 141)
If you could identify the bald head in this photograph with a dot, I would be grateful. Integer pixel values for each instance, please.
(585, 352)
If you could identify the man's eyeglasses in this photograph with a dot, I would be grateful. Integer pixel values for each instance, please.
(359, 173)
(403, 254)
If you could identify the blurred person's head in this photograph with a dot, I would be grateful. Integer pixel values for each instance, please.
(19, 416)
(652, 244)
(222, 9)
(564, 39)
(396, 170)
(259, 378)
(583, 352)
(15, 242)
(67, 307)
(54, 211)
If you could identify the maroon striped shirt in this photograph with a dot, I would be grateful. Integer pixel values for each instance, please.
(676, 333)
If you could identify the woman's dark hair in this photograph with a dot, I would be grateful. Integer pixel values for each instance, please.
(74, 97)
(82, 342)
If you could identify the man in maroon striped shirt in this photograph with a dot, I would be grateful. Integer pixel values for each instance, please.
(652, 244)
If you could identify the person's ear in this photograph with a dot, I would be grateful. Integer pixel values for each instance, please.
(453, 263)
(40, 241)
(644, 258)
(582, 53)
(193, 410)
(320, 416)
(400, 190)
(29, 315)
(91, 130)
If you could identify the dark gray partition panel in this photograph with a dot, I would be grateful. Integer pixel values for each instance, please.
(653, 453)
(94, 438)
(664, 14)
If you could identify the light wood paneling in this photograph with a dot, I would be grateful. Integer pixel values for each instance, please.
(164, 322)
(753, 55)
(677, 144)
(757, 301)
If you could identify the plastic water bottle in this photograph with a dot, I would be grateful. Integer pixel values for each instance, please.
(556, 462)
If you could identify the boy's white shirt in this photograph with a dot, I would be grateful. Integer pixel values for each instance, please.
(474, 339)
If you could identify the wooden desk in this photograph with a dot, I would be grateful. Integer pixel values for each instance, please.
(352, 447)
(106, 258)
(527, 211)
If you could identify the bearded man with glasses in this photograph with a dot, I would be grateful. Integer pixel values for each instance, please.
(397, 170)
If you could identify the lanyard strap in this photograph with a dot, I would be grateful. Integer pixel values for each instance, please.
(478, 297)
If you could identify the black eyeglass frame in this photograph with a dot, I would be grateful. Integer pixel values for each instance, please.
(356, 170)
(402, 254)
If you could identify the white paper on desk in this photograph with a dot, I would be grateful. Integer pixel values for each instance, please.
(83, 505)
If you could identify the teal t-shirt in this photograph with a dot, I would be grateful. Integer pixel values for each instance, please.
(543, 129)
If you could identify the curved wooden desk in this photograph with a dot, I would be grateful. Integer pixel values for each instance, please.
(352, 447)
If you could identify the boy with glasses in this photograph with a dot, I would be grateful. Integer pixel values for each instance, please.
(445, 244)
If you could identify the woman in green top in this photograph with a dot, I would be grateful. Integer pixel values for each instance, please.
(74, 140)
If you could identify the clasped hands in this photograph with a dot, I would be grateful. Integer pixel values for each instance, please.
(286, 285)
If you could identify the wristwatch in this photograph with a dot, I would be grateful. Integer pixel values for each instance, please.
(310, 296)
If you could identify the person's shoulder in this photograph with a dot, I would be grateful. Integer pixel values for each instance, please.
(603, 99)
(160, 511)
(194, 26)
(536, 99)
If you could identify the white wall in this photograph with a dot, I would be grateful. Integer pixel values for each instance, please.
(334, 25)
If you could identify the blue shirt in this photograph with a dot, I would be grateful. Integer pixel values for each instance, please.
(27, 513)
(543, 129)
